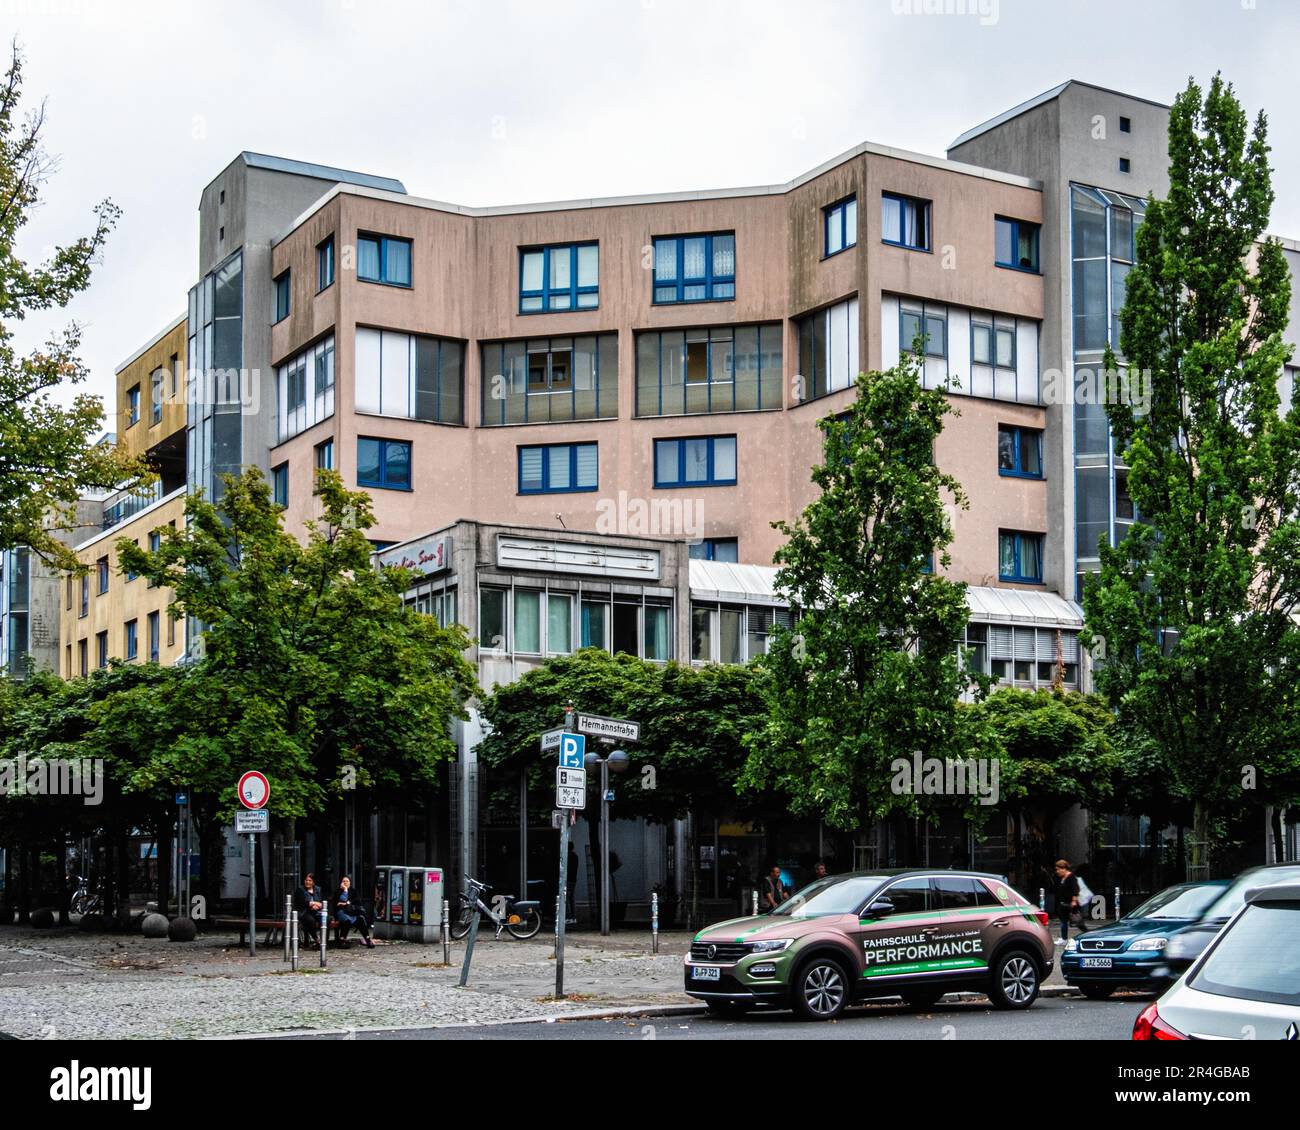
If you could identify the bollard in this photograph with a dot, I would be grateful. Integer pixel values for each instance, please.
(324, 930)
(555, 939)
(293, 945)
(654, 922)
(288, 911)
(754, 901)
(1117, 909)
(446, 932)
(1042, 899)
(469, 945)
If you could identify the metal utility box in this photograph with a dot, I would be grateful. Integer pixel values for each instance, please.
(408, 902)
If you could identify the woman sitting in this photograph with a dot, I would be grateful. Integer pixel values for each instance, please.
(351, 913)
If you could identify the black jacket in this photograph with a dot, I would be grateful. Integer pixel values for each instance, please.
(301, 897)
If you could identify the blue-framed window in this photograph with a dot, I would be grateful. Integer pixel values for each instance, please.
(564, 276)
(905, 221)
(101, 568)
(282, 297)
(157, 391)
(695, 268)
(131, 575)
(133, 405)
(1015, 244)
(132, 639)
(696, 461)
(155, 636)
(930, 324)
(155, 544)
(558, 468)
(716, 549)
(840, 225)
(280, 484)
(1020, 451)
(384, 259)
(384, 463)
(1020, 557)
(325, 456)
(101, 649)
(325, 264)
(718, 369)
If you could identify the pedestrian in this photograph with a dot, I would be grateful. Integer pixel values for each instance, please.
(350, 912)
(1068, 906)
(775, 891)
(819, 870)
(307, 902)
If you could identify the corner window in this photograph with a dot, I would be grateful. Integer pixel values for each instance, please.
(695, 268)
(1020, 451)
(561, 277)
(1020, 557)
(1015, 244)
(828, 350)
(699, 461)
(384, 259)
(305, 388)
(383, 463)
(905, 221)
(409, 375)
(325, 456)
(325, 264)
(840, 225)
(282, 297)
(280, 484)
(557, 468)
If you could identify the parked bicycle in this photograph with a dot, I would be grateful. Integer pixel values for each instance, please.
(84, 901)
(521, 917)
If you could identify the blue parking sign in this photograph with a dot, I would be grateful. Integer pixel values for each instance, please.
(572, 749)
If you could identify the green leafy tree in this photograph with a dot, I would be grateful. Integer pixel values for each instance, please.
(48, 453)
(1193, 614)
(872, 672)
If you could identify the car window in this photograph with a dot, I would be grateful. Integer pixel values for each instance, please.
(830, 896)
(1178, 902)
(1257, 958)
(909, 896)
(1234, 898)
(956, 892)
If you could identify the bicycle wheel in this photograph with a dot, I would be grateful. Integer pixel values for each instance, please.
(463, 921)
(527, 926)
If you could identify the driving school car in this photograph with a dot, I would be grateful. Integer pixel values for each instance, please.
(846, 938)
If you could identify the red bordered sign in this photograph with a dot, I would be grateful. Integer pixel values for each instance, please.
(254, 790)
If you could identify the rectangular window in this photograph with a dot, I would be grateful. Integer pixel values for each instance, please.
(132, 639)
(492, 619)
(305, 389)
(174, 367)
(68, 583)
(83, 664)
(410, 376)
(700, 461)
(1020, 557)
(550, 380)
(840, 224)
(722, 369)
(923, 330)
(85, 596)
(905, 221)
(155, 636)
(559, 623)
(101, 569)
(282, 297)
(325, 264)
(280, 484)
(384, 259)
(656, 639)
(828, 349)
(695, 268)
(101, 649)
(1020, 451)
(594, 618)
(1125, 125)
(384, 463)
(1015, 244)
(527, 621)
(133, 406)
(558, 468)
(560, 277)
(716, 549)
(325, 456)
(157, 393)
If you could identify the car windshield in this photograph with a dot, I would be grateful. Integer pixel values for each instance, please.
(1234, 898)
(1258, 957)
(1179, 902)
(832, 895)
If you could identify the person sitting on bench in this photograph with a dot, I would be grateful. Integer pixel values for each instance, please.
(307, 902)
(350, 912)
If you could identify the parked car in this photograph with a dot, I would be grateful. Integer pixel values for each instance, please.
(846, 938)
(1246, 985)
(1129, 953)
(1187, 944)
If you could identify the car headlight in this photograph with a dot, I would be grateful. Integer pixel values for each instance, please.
(1072, 945)
(1182, 948)
(1148, 944)
(770, 945)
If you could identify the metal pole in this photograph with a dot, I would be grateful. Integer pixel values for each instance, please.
(1042, 900)
(252, 895)
(604, 847)
(288, 913)
(1117, 910)
(446, 931)
(562, 908)
(324, 926)
(523, 833)
(293, 947)
(555, 931)
(189, 854)
(469, 942)
(754, 899)
(654, 921)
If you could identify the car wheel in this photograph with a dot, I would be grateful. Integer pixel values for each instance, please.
(1096, 992)
(727, 1010)
(821, 989)
(1015, 981)
(921, 1000)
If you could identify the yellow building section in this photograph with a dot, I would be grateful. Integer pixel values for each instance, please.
(151, 392)
(110, 615)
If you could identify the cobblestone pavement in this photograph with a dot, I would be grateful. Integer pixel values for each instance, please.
(58, 984)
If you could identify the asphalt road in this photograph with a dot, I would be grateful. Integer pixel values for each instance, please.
(1049, 1019)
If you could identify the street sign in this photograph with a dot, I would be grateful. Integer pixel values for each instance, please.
(182, 799)
(551, 740)
(620, 729)
(247, 823)
(573, 748)
(254, 790)
(570, 778)
(569, 797)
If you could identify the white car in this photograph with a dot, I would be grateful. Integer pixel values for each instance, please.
(1246, 985)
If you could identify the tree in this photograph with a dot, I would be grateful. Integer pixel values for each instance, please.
(1194, 610)
(872, 672)
(48, 453)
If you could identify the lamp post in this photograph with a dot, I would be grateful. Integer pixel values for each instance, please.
(613, 761)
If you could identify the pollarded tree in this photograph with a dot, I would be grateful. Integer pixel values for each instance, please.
(1196, 607)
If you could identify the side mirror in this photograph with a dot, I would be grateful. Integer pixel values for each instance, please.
(881, 908)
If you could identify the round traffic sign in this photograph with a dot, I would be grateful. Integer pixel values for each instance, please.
(254, 790)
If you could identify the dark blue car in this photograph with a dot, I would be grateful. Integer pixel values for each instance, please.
(1129, 954)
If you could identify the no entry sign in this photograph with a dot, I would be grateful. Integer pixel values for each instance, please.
(254, 790)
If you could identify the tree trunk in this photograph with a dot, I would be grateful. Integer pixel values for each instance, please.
(1279, 842)
(123, 907)
(1200, 856)
(65, 898)
(163, 838)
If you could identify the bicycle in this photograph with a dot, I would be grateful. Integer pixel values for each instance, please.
(83, 901)
(521, 917)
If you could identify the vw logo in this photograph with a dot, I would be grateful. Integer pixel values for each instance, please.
(1292, 1032)
(712, 951)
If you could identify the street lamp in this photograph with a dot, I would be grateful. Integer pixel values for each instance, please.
(613, 761)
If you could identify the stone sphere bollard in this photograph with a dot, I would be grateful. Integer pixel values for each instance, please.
(43, 918)
(182, 930)
(155, 926)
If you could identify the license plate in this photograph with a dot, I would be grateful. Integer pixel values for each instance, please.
(1097, 962)
(705, 973)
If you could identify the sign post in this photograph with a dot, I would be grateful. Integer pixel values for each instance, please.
(567, 796)
(254, 791)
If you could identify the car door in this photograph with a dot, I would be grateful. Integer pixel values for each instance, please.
(972, 922)
(896, 948)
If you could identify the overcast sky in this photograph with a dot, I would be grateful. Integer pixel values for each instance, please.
(490, 102)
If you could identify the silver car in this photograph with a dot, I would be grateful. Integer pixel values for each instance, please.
(1246, 985)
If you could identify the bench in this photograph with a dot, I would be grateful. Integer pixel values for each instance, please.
(274, 928)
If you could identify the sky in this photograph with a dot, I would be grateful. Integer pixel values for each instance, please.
(499, 102)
